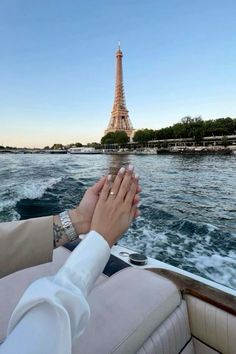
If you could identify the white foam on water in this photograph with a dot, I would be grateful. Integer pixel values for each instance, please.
(214, 260)
(30, 189)
(221, 269)
(35, 189)
(171, 251)
(195, 254)
(147, 240)
(232, 254)
(6, 204)
(211, 227)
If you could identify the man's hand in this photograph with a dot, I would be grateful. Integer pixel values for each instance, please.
(82, 216)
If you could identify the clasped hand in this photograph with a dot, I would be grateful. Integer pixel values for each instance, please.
(109, 207)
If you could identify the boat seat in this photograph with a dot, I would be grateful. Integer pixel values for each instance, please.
(172, 336)
(13, 286)
(127, 309)
(134, 311)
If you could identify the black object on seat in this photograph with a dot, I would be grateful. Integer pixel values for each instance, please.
(113, 265)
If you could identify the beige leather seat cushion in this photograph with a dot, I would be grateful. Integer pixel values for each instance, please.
(125, 310)
(172, 336)
(13, 286)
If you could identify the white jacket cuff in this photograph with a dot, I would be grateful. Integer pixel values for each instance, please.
(85, 263)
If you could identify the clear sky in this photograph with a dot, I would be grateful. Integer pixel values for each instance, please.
(57, 65)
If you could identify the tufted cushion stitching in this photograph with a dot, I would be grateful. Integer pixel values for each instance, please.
(182, 331)
(135, 329)
(153, 343)
(227, 333)
(167, 339)
(185, 320)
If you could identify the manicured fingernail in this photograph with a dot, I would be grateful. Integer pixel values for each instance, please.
(121, 170)
(109, 177)
(130, 167)
(136, 175)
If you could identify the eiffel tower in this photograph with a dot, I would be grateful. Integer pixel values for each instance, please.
(120, 115)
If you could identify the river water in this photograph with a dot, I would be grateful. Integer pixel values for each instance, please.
(188, 203)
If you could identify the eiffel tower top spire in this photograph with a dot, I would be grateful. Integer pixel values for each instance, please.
(119, 101)
(120, 114)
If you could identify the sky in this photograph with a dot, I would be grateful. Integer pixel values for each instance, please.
(57, 65)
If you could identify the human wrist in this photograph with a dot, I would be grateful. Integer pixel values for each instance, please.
(104, 233)
(67, 226)
(59, 235)
(78, 222)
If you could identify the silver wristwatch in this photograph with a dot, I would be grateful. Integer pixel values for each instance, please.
(67, 226)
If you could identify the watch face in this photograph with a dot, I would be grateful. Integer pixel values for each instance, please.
(138, 259)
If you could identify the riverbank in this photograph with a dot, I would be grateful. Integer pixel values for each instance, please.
(199, 150)
(184, 150)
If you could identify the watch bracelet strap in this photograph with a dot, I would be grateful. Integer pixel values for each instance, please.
(68, 226)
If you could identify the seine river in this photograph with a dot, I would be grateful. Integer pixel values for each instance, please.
(188, 203)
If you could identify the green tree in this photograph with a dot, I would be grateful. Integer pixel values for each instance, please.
(144, 135)
(189, 128)
(78, 145)
(121, 137)
(209, 127)
(118, 137)
(197, 129)
(178, 130)
(165, 133)
(108, 139)
(220, 126)
(57, 147)
(94, 145)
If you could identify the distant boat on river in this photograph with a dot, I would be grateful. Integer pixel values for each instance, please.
(84, 150)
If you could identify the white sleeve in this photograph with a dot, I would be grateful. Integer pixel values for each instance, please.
(54, 310)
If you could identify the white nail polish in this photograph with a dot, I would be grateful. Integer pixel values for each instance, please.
(109, 178)
(130, 167)
(136, 176)
(121, 170)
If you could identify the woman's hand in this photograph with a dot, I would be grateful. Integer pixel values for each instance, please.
(81, 217)
(117, 206)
